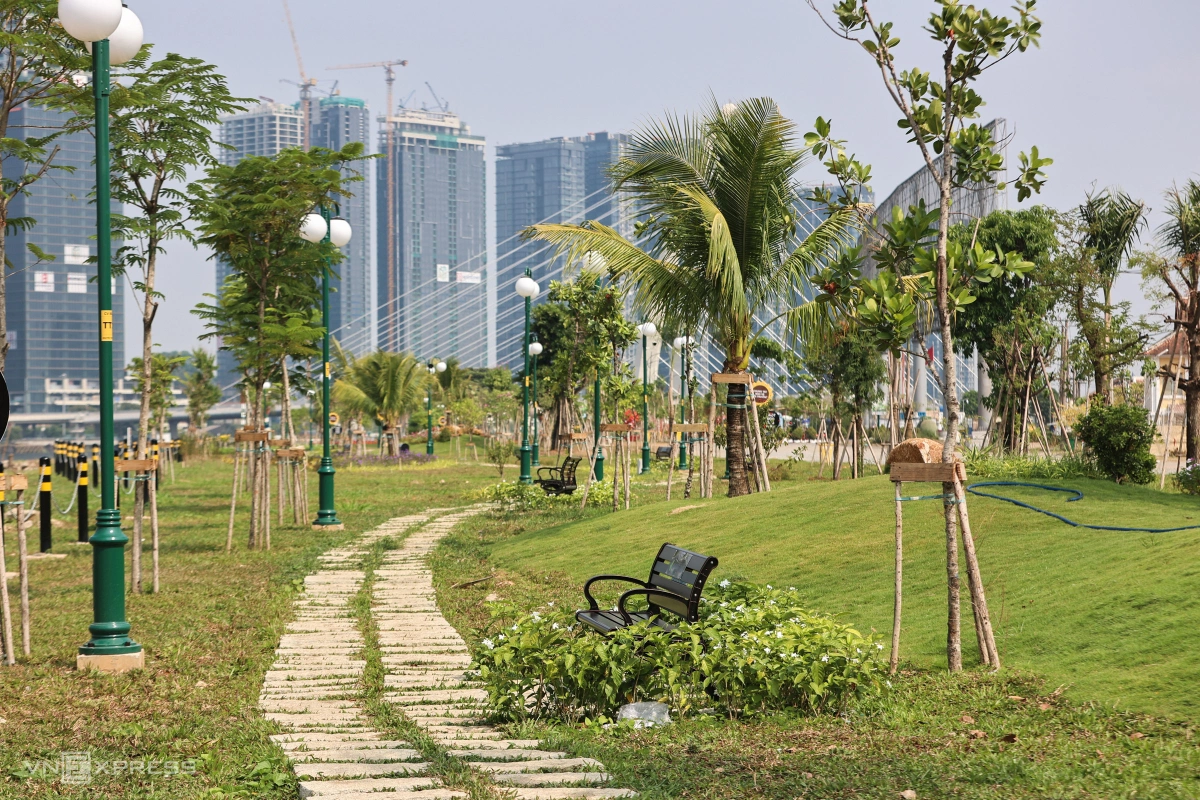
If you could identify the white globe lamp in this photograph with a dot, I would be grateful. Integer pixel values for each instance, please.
(313, 228)
(441, 366)
(535, 348)
(527, 287)
(90, 20)
(339, 232)
(126, 41)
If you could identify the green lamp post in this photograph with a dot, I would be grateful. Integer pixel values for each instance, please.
(434, 368)
(527, 288)
(598, 471)
(317, 228)
(646, 329)
(535, 350)
(114, 36)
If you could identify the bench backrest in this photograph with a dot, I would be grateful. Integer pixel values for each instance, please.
(683, 573)
(568, 469)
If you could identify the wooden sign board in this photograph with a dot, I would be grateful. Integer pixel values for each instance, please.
(295, 452)
(250, 436)
(135, 465)
(697, 428)
(579, 437)
(280, 442)
(13, 483)
(728, 377)
(929, 473)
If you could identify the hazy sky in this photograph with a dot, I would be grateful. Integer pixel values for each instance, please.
(1106, 96)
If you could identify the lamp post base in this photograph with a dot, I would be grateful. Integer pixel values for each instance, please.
(645, 459)
(331, 526)
(598, 472)
(326, 516)
(526, 464)
(113, 664)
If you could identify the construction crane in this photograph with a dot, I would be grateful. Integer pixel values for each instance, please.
(441, 104)
(389, 72)
(306, 83)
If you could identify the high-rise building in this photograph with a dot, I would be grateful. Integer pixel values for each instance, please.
(556, 180)
(268, 129)
(340, 121)
(53, 359)
(432, 234)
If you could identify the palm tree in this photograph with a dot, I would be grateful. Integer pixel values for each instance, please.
(384, 386)
(1180, 271)
(1112, 223)
(718, 195)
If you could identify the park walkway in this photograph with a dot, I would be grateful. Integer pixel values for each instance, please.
(313, 688)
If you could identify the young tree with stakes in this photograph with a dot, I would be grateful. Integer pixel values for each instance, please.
(939, 113)
(162, 117)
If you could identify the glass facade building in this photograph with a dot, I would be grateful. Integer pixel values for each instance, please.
(53, 328)
(432, 238)
(334, 122)
(556, 180)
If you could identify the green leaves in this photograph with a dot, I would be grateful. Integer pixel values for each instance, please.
(754, 650)
(1031, 177)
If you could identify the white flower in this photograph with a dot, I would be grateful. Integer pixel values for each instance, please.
(767, 650)
(551, 604)
(555, 626)
(879, 645)
(778, 634)
(825, 658)
(858, 650)
(500, 638)
(769, 586)
(740, 608)
(489, 644)
(724, 584)
(724, 605)
(791, 588)
(889, 684)
(536, 616)
(516, 627)
(794, 620)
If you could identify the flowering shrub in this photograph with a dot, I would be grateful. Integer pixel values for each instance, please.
(517, 496)
(1187, 479)
(754, 649)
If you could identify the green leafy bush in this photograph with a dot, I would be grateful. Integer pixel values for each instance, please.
(1013, 467)
(1119, 438)
(517, 496)
(754, 649)
(1187, 480)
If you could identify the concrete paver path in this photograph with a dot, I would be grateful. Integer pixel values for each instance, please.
(312, 688)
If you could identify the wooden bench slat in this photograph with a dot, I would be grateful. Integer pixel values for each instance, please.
(731, 377)
(250, 436)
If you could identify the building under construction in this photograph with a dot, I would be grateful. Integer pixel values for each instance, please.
(431, 281)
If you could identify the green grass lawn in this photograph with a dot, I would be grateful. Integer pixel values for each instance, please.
(1116, 616)
(1094, 629)
(209, 637)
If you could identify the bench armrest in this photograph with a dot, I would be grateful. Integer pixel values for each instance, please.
(587, 587)
(648, 593)
(551, 470)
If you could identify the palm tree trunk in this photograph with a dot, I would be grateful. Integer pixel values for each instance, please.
(735, 440)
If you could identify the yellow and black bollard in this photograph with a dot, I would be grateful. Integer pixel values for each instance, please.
(96, 461)
(82, 498)
(45, 504)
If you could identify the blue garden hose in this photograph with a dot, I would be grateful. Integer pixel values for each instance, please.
(973, 489)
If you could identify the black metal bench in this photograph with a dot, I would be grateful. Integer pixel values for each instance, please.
(663, 453)
(676, 581)
(562, 477)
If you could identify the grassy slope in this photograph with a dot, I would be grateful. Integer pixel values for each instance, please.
(1113, 614)
(209, 636)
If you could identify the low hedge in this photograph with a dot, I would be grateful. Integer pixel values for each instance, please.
(754, 649)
